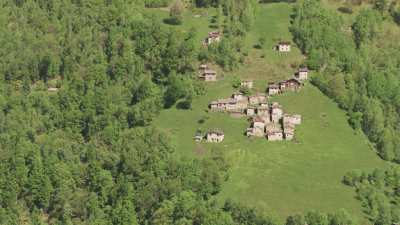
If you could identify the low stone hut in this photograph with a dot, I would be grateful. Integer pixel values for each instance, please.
(247, 84)
(276, 112)
(258, 122)
(284, 46)
(290, 85)
(273, 89)
(213, 37)
(215, 136)
(251, 110)
(208, 75)
(302, 74)
(293, 119)
(203, 67)
(263, 110)
(198, 136)
(239, 96)
(288, 131)
(273, 132)
(257, 99)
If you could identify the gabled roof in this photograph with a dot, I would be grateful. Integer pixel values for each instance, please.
(208, 71)
(258, 119)
(284, 43)
(274, 86)
(291, 80)
(216, 131)
(214, 34)
(275, 105)
(303, 69)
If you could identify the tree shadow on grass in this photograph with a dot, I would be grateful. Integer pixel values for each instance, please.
(172, 21)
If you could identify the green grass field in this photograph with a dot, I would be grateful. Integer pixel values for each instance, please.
(279, 178)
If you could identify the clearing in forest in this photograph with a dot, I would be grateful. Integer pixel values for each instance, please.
(287, 177)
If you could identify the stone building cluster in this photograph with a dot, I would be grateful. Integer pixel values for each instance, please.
(292, 84)
(273, 124)
(239, 103)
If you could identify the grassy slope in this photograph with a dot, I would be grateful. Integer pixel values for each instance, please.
(282, 177)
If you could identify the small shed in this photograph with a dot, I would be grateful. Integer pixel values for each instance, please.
(198, 136)
(208, 75)
(239, 96)
(276, 112)
(302, 73)
(257, 99)
(258, 123)
(247, 84)
(293, 119)
(273, 89)
(215, 136)
(290, 85)
(274, 132)
(213, 37)
(251, 111)
(284, 46)
(263, 110)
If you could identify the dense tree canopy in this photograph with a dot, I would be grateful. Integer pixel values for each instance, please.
(363, 78)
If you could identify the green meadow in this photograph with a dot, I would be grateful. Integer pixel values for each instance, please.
(279, 178)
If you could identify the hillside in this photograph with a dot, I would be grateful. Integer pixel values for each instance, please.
(286, 177)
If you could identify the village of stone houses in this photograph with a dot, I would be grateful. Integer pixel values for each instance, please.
(266, 119)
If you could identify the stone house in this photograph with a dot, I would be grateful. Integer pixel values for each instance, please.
(247, 83)
(263, 110)
(208, 75)
(215, 136)
(213, 37)
(276, 112)
(273, 132)
(239, 96)
(257, 128)
(284, 46)
(292, 119)
(302, 74)
(257, 99)
(251, 111)
(288, 130)
(259, 123)
(273, 89)
(274, 135)
(223, 104)
(203, 67)
(290, 85)
(198, 136)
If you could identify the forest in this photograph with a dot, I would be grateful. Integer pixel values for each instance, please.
(88, 152)
(358, 66)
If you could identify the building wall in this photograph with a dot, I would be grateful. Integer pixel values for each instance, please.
(275, 137)
(215, 138)
(284, 48)
(303, 75)
(208, 77)
(273, 91)
(250, 112)
(259, 125)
